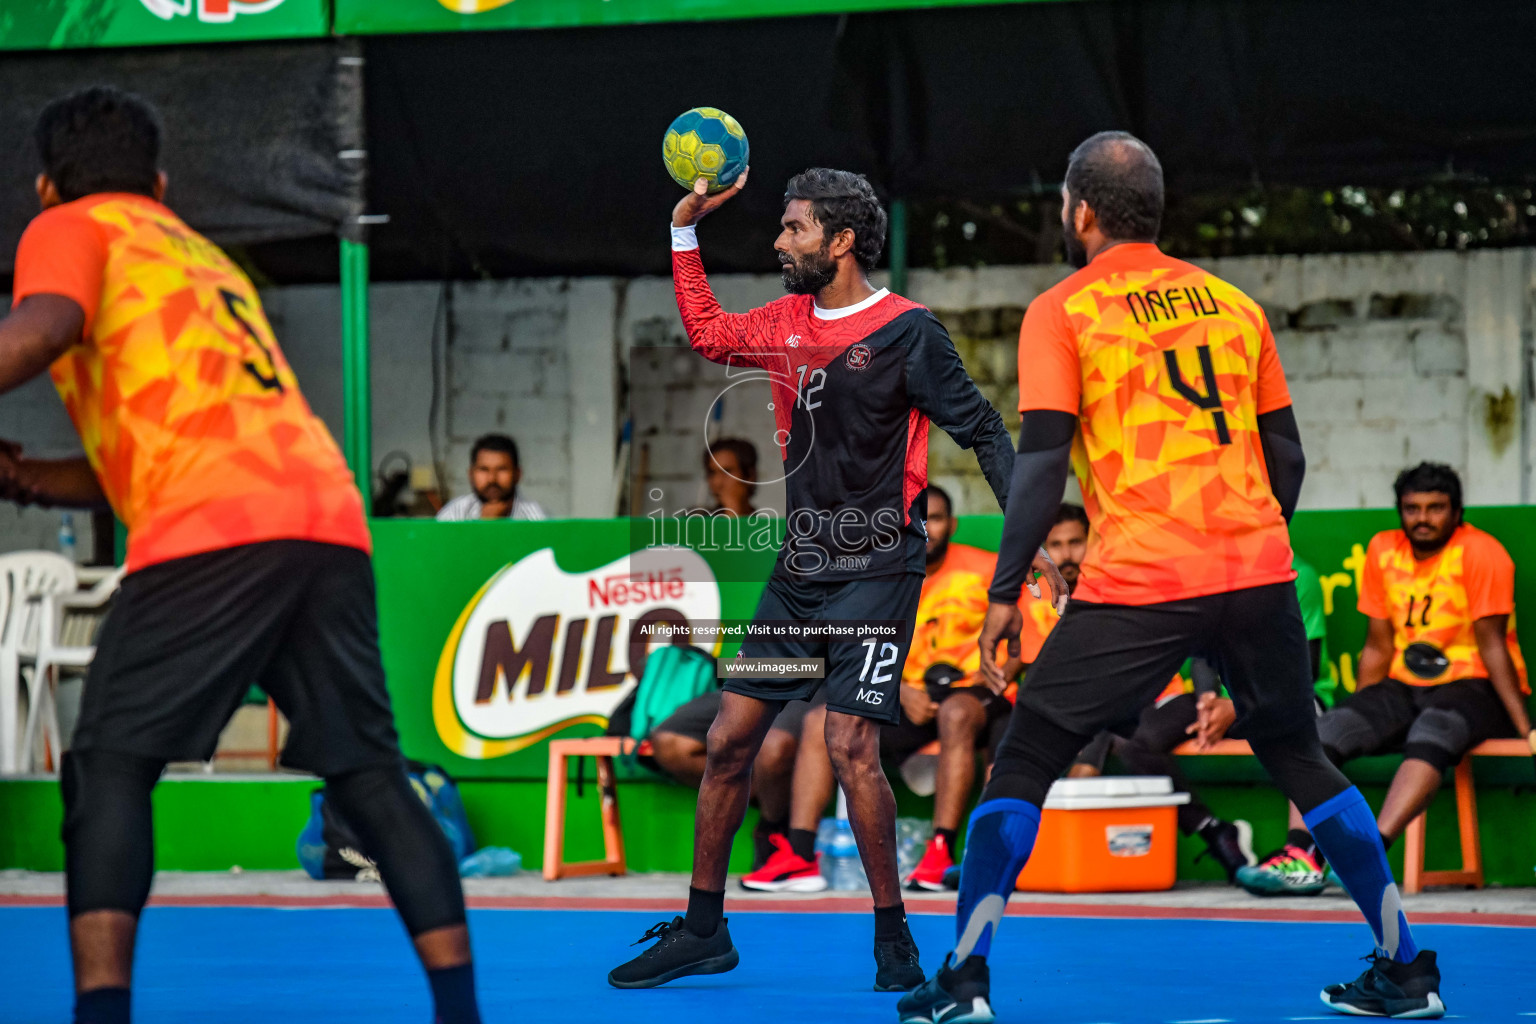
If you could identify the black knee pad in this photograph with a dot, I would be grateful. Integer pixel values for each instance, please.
(1346, 734)
(398, 832)
(109, 845)
(1033, 753)
(1439, 737)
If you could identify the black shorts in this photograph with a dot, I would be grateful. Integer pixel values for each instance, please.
(1436, 724)
(1104, 663)
(694, 718)
(862, 673)
(186, 640)
(900, 741)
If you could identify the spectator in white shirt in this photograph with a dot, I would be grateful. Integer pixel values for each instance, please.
(494, 472)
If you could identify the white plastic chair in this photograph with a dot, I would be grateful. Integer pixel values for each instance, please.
(23, 575)
(66, 638)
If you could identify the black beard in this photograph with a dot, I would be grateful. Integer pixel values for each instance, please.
(810, 274)
(1077, 254)
(1428, 547)
(936, 555)
(485, 495)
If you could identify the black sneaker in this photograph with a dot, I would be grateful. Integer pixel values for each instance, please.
(678, 952)
(952, 996)
(1408, 991)
(1231, 844)
(897, 968)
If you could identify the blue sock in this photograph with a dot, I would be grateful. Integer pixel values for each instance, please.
(1345, 830)
(102, 1006)
(453, 993)
(997, 844)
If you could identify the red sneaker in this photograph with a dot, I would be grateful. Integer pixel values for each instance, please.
(929, 873)
(786, 871)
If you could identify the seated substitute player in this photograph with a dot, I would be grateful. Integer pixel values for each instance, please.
(938, 702)
(1441, 670)
(856, 375)
(247, 547)
(679, 745)
(1190, 463)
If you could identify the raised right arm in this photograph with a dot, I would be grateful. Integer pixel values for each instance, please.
(714, 334)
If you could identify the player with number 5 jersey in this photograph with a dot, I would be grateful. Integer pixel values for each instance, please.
(856, 374)
(247, 546)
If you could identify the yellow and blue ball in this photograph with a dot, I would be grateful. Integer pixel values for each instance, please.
(705, 143)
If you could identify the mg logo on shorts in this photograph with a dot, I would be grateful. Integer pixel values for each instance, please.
(871, 696)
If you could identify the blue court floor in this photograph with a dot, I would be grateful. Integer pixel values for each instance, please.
(243, 966)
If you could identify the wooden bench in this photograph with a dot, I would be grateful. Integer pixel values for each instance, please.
(1415, 878)
(603, 749)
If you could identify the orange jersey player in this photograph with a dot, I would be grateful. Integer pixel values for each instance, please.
(1441, 670)
(247, 546)
(1161, 383)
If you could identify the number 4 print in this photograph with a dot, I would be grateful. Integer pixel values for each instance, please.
(1211, 400)
(268, 381)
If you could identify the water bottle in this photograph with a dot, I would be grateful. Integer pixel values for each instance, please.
(912, 835)
(491, 862)
(845, 868)
(67, 536)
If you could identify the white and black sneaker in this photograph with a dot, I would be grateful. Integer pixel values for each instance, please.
(955, 995)
(1230, 843)
(1408, 991)
(677, 953)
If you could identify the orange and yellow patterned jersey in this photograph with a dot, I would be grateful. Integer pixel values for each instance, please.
(186, 408)
(950, 613)
(1167, 368)
(1432, 604)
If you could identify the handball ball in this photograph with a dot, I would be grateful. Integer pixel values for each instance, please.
(705, 143)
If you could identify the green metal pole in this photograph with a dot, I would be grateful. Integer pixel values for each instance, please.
(897, 242)
(356, 386)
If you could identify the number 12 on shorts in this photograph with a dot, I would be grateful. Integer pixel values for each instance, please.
(882, 669)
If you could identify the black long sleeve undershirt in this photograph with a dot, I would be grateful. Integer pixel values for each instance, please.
(1039, 476)
(1287, 463)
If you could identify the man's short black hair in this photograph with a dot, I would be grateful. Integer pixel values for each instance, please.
(1429, 476)
(1070, 513)
(99, 140)
(744, 450)
(1120, 179)
(495, 443)
(839, 200)
(935, 490)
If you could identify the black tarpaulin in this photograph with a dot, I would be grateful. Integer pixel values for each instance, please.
(263, 142)
(538, 152)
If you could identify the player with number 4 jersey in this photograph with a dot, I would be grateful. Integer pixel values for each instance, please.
(856, 374)
(1161, 384)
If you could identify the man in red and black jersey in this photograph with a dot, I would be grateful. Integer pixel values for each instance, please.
(856, 374)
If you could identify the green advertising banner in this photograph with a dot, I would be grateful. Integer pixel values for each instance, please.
(61, 24)
(358, 17)
(500, 635)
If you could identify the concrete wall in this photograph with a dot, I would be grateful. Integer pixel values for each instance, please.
(1391, 359)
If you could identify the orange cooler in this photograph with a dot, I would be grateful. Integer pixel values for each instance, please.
(1117, 834)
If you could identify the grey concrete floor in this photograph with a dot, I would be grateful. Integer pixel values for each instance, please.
(663, 889)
